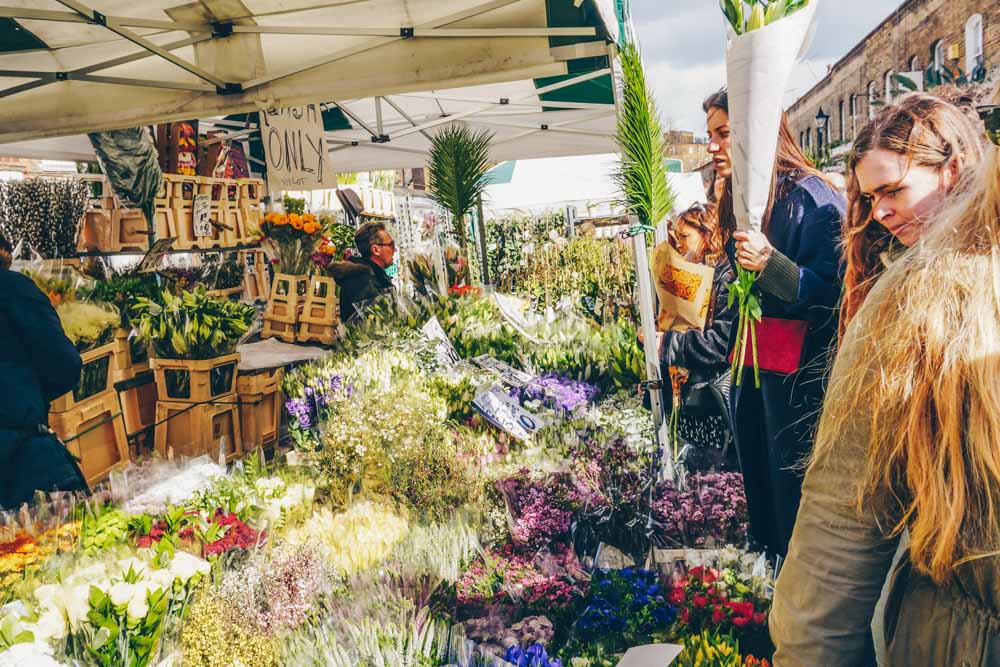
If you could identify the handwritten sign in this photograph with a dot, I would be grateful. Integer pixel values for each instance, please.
(295, 148)
(651, 655)
(446, 353)
(507, 414)
(202, 215)
(508, 374)
(155, 254)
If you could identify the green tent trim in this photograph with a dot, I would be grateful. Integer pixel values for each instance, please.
(14, 37)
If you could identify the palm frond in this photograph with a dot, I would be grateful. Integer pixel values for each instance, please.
(456, 171)
(641, 176)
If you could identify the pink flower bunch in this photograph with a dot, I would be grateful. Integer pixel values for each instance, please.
(714, 506)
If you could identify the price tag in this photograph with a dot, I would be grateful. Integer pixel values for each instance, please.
(507, 414)
(508, 374)
(202, 215)
(446, 353)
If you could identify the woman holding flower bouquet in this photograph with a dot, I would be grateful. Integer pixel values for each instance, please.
(797, 255)
(908, 442)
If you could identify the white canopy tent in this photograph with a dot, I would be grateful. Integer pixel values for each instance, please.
(536, 73)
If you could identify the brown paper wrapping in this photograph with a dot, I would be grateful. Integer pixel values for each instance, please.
(684, 289)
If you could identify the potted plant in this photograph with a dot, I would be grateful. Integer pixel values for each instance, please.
(193, 340)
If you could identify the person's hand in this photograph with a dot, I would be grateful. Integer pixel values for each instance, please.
(659, 339)
(753, 250)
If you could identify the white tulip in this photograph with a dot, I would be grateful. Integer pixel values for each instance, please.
(50, 625)
(77, 605)
(36, 655)
(121, 593)
(138, 607)
(185, 566)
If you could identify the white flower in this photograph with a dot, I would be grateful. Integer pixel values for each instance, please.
(77, 605)
(184, 566)
(138, 607)
(137, 566)
(121, 593)
(50, 625)
(37, 654)
(48, 596)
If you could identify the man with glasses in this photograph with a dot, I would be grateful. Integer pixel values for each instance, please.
(363, 278)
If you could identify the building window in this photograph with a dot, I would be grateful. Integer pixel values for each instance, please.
(973, 43)
(939, 56)
(843, 122)
(872, 99)
(914, 64)
(854, 105)
(888, 87)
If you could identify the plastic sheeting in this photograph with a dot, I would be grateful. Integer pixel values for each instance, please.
(129, 160)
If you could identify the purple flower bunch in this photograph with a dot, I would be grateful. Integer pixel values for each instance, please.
(713, 506)
(533, 656)
(559, 393)
(542, 507)
(316, 396)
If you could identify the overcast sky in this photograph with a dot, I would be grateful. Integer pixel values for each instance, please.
(684, 45)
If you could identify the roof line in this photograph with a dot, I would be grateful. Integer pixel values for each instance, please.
(854, 50)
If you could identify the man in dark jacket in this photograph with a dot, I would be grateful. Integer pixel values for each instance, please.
(362, 279)
(37, 364)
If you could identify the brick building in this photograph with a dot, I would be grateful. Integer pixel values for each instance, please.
(684, 146)
(937, 40)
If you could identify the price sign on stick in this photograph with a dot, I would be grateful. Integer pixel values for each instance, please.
(508, 374)
(155, 254)
(202, 215)
(507, 414)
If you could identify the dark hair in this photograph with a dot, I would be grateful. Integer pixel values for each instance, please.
(6, 254)
(367, 236)
(790, 160)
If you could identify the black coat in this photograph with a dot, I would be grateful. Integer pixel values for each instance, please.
(775, 425)
(37, 364)
(360, 281)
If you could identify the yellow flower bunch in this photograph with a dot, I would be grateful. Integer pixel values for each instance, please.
(210, 640)
(25, 553)
(710, 650)
(355, 540)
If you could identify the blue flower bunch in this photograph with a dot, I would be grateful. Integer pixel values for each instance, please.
(626, 604)
(306, 410)
(533, 656)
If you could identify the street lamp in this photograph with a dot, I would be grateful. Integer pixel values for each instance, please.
(822, 119)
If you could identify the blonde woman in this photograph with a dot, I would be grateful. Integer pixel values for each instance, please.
(909, 440)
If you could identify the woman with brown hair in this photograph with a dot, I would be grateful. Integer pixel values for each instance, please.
(908, 442)
(704, 421)
(900, 170)
(797, 255)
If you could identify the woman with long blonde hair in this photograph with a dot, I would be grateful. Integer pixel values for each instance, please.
(909, 441)
(900, 170)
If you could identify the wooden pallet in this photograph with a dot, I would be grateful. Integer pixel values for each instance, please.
(260, 407)
(173, 374)
(101, 363)
(187, 430)
(94, 432)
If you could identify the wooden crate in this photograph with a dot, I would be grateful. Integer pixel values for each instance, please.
(251, 191)
(162, 197)
(129, 230)
(190, 430)
(100, 362)
(260, 407)
(94, 432)
(235, 293)
(314, 330)
(252, 217)
(165, 223)
(282, 328)
(235, 231)
(256, 278)
(287, 297)
(191, 381)
(100, 193)
(137, 397)
(96, 231)
(185, 232)
(182, 190)
(127, 363)
(318, 322)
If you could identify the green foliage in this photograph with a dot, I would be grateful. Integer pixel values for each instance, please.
(642, 176)
(192, 325)
(293, 204)
(121, 287)
(456, 171)
(103, 528)
(742, 290)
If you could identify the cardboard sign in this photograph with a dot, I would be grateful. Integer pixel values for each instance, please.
(295, 148)
(155, 254)
(651, 655)
(507, 414)
(202, 216)
(508, 374)
(446, 353)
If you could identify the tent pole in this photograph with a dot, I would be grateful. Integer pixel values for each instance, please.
(648, 328)
(481, 228)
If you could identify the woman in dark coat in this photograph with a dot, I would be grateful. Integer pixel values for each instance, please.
(37, 364)
(799, 262)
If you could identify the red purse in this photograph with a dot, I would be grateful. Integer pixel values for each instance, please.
(779, 345)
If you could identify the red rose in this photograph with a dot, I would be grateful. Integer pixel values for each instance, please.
(741, 621)
(684, 614)
(699, 601)
(760, 618)
(718, 616)
(144, 542)
(695, 572)
(744, 609)
(711, 575)
(677, 597)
